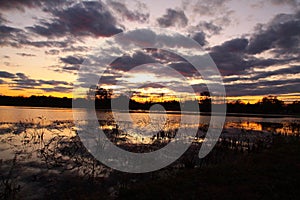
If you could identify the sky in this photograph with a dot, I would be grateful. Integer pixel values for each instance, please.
(254, 45)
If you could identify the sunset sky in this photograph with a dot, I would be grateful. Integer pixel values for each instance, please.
(254, 44)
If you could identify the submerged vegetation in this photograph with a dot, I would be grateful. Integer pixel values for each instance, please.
(43, 159)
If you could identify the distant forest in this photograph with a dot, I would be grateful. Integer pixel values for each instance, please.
(267, 105)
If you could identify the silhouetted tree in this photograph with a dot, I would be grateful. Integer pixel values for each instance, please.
(271, 104)
(205, 101)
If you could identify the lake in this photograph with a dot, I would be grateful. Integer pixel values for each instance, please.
(284, 124)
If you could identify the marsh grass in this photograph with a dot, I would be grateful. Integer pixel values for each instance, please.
(61, 167)
(9, 187)
(272, 174)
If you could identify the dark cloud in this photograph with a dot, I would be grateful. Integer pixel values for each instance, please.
(265, 74)
(160, 56)
(209, 27)
(22, 4)
(283, 71)
(121, 9)
(127, 62)
(25, 83)
(10, 36)
(15, 37)
(282, 35)
(109, 79)
(22, 75)
(88, 18)
(72, 60)
(230, 56)
(4, 74)
(234, 45)
(261, 63)
(173, 18)
(184, 68)
(39, 44)
(276, 87)
(75, 49)
(198, 88)
(53, 82)
(52, 52)
(19, 4)
(21, 81)
(71, 68)
(57, 89)
(163, 56)
(153, 85)
(200, 38)
(26, 54)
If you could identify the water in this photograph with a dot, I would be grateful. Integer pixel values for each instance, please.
(284, 124)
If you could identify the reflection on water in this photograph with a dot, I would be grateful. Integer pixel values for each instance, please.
(140, 126)
(282, 128)
(43, 142)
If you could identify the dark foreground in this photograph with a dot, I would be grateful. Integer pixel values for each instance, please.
(273, 173)
(63, 169)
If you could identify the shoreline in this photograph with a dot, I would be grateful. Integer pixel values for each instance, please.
(267, 115)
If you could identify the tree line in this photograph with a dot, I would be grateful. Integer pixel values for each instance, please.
(267, 105)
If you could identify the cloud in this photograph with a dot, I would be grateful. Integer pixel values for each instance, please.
(15, 37)
(262, 63)
(4, 74)
(21, 81)
(57, 89)
(2, 20)
(282, 35)
(217, 11)
(10, 36)
(25, 83)
(53, 82)
(127, 62)
(284, 71)
(209, 27)
(26, 54)
(121, 9)
(235, 45)
(169, 59)
(88, 18)
(230, 56)
(184, 68)
(22, 4)
(72, 60)
(276, 87)
(173, 18)
(200, 38)
(49, 43)
(52, 52)
(294, 3)
(209, 8)
(19, 4)
(22, 75)
(75, 49)
(71, 68)
(72, 64)
(164, 56)
(109, 79)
